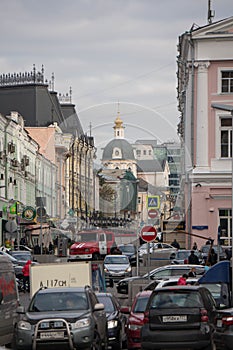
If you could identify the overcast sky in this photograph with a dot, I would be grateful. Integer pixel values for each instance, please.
(108, 51)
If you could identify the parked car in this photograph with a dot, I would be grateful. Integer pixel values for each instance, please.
(116, 320)
(169, 282)
(159, 273)
(17, 267)
(69, 317)
(135, 319)
(116, 267)
(21, 256)
(223, 336)
(179, 317)
(217, 248)
(181, 256)
(153, 246)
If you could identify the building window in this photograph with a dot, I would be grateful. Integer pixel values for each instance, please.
(138, 152)
(225, 217)
(226, 137)
(144, 152)
(149, 152)
(227, 81)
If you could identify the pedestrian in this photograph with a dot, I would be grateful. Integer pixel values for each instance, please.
(182, 280)
(175, 244)
(192, 272)
(193, 258)
(26, 274)
(213, 257)
(194, 246)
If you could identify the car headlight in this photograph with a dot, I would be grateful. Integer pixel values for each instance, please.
(23, 325)
(84, 322)
(112, 323)
(128, 269)
(134, 327)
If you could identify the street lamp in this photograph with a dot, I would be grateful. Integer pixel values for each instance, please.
(229, 109)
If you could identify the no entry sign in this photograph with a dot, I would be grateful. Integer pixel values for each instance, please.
(153, 213)
(148, 233)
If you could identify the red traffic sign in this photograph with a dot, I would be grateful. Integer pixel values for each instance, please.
(153, 213)
(148, 233)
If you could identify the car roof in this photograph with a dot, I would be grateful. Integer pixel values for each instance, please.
(177, 267)
(62, 290)
(143, 293)
(117, 255)
(180, 287)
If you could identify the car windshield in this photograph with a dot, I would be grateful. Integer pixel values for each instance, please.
(116, 260)
(176, 299)
(59, 301)
(22, 256)
(127, 249)
(140, 304)
(107, 301)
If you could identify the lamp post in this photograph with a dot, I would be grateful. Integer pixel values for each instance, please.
(229, 108)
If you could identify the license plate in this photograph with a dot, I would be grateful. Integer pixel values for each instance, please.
(174, 318)
(219, 323)
(51, 335)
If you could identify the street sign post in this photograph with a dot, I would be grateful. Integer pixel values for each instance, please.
(148, 233)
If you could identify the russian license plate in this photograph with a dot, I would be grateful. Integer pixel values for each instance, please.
(175, 318)
(219, 323)
(51, 335)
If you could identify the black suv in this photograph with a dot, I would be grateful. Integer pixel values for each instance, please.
(179, 317)
(69, 317)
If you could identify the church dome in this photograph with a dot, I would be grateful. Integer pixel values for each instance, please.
(118, 149)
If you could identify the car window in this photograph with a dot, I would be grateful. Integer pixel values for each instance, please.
(108, 304)
(159, 274)
(116, 260)
(59, 302)
(176, 299)
(140, 304)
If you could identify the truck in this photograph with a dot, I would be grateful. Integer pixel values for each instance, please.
(91, 245)
(60, 275)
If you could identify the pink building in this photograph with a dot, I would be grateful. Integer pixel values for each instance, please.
(205, 83)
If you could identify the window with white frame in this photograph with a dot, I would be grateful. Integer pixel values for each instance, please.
(225, 217)
(226, 137)
(227, 81)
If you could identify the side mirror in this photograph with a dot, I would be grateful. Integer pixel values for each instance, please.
(20, 309)
(99, 307)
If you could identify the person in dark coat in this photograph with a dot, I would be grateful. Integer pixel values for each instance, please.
(175, 244)
(193, 258)
(213, 257)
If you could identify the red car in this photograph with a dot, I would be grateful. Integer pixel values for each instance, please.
(135, 320)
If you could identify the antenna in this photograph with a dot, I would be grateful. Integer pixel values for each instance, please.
(90, 126)
(211, 13)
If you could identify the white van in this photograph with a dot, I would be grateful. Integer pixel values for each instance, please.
(9, 301)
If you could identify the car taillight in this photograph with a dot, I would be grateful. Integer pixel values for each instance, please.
(204, 315)
(227, 320)
(185, 261)
(146, 317)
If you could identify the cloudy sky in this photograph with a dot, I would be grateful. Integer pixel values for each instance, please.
(113, 53)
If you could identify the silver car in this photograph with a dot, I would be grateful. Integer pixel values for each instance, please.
(116, 267)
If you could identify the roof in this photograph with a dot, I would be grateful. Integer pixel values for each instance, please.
(123, 145)
(150, 165)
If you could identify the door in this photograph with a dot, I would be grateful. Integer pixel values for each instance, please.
(102, 244)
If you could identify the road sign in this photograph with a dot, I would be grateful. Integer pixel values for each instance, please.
(148, 233)
(153, 202)
(153, 213)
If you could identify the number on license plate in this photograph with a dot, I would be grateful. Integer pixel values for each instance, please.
(175, 318)
(52, 335)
